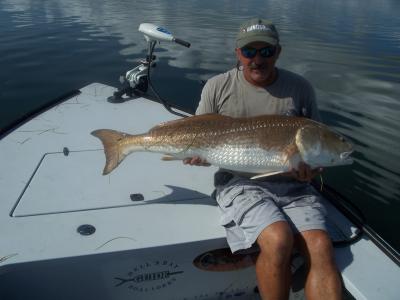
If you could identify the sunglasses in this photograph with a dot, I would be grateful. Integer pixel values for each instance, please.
(250, 52)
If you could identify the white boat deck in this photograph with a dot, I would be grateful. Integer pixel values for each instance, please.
(145, 213)
(55, 193)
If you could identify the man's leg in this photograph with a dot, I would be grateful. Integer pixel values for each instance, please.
(273, 262)
(323, 279)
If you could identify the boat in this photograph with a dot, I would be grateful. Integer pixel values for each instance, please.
(150, 229)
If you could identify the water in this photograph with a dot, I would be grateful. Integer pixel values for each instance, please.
(348, 49)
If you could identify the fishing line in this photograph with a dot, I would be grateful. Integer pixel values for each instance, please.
(322, 182)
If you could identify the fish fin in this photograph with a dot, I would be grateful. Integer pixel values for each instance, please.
(112, 149)
(268, 174)
(170, 158)
(198, 119)
(292, 156)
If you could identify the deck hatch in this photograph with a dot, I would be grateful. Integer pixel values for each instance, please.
(70, 183)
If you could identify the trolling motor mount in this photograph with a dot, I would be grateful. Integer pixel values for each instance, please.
(134, 82)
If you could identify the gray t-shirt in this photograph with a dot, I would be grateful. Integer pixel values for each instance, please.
(232, 95)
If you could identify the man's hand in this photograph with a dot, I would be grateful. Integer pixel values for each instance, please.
(196, 161)
(304, 172)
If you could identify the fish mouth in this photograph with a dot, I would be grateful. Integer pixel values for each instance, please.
(345, 157)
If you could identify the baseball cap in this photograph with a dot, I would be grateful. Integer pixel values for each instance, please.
(257, 30)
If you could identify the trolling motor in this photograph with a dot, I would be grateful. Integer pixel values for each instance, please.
(136, 81)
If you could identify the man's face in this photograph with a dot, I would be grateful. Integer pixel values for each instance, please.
(259, 70)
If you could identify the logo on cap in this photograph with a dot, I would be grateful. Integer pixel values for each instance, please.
(260, 27)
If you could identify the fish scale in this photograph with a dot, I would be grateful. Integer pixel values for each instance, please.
(263, 144)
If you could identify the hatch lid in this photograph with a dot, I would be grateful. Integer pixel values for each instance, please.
(72, 181)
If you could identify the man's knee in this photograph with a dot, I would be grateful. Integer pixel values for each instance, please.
(276, 242)
(316, 245)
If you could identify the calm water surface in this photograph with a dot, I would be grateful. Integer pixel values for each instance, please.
(348, 49)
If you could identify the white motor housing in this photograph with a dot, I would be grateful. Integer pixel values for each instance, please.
(157, 33)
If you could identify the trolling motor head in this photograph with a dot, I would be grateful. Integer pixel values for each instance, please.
(154, 33)
(137, 80)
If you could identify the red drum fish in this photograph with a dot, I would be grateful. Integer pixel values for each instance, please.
(264, 145)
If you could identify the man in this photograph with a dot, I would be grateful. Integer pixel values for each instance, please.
(282, 212)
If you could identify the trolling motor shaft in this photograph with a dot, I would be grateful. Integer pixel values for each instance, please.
(137, 80)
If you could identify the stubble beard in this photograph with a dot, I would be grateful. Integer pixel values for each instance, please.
(260, 74)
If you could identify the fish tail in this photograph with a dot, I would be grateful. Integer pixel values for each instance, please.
(113, 150)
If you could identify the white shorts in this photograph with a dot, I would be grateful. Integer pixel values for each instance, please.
(249, 206)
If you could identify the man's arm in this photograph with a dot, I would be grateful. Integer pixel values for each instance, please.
(196, 161)
(310, 102)
(206, 105)
(303, 172)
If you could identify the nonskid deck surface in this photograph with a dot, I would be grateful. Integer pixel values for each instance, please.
(54, 176)
(149, 219)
